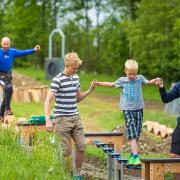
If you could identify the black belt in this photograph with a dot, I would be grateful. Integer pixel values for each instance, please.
(5, 72)
(178, 121)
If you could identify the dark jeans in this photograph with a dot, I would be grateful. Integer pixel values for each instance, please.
(7, 79)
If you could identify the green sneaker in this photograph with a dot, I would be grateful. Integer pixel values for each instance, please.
(131, 160)
(137, 162)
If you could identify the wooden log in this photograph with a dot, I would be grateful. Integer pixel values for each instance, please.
(10, 119)
(169, 131)
(149, 126)
(33, 94)
(158, 129)
(163, 131)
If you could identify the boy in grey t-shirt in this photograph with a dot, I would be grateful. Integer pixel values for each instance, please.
(132, 104)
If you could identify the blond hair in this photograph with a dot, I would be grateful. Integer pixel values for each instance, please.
(72, 58)
(131, 64)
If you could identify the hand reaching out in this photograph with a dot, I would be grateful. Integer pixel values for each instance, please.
(159, 82)
(37, 48)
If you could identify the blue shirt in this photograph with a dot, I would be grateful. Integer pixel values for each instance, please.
(131, 96)
(7, 58)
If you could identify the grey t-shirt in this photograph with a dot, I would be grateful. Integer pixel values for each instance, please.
(131, 96)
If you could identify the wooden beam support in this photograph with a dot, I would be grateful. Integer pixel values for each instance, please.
(28, 131)
(155, 169)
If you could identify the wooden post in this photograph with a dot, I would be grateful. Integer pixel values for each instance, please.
(145, 173)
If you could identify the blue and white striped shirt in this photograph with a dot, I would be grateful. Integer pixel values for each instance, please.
(65, 88)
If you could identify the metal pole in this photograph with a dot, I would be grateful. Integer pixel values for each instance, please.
(109, 164)
(121, 167)
(62, 44)
(115, 168)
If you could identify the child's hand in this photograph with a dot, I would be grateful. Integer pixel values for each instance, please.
(37, 48)
(158, 82)
(93, 85)
(49, 125)
(95, 82)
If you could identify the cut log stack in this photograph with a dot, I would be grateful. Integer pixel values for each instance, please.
(158, 129)
(30, 94)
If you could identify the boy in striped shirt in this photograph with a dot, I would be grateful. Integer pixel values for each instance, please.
(65, 89)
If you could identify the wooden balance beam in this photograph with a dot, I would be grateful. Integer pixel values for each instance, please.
(155, 169)
(29, 130)
(114, 139)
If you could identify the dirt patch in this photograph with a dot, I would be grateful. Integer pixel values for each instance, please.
(20, 80)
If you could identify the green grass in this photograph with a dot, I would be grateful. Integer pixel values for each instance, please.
(27, 109)
(161, 117)
(19, 163)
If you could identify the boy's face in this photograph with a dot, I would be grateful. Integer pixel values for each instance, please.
(131, 74)
(72, 69)
(5, 43)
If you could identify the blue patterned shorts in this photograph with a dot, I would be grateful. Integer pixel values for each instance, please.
(133, 121)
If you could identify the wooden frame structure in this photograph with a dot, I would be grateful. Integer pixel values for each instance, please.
(152, 169)
(28, 131)
(155, 169)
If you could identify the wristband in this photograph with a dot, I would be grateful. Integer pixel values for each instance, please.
(47, 118)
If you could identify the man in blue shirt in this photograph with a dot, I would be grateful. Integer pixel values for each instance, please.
(7, 57)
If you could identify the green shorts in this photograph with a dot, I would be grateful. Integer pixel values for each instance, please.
(68, 128)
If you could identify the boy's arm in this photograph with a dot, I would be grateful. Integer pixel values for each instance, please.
(151, 82)
(105, 84)
(154, 81)
(47, 107)
(81, 95)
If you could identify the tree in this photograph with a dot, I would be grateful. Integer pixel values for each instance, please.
(154, 38)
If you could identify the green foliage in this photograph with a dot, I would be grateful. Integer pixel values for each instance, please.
(154, 38)
(18, 163)
(147, 31)
(92, 151)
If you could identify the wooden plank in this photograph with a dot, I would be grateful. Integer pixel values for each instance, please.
(117, 139)
(156, 171)
(10, 119)
(172, 167)
(162, 160)
(27, 132)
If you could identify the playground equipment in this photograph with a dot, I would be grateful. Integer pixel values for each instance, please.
(28, 131)
(111, 144)
(151, 169)
(55, 65)
(113, 158)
